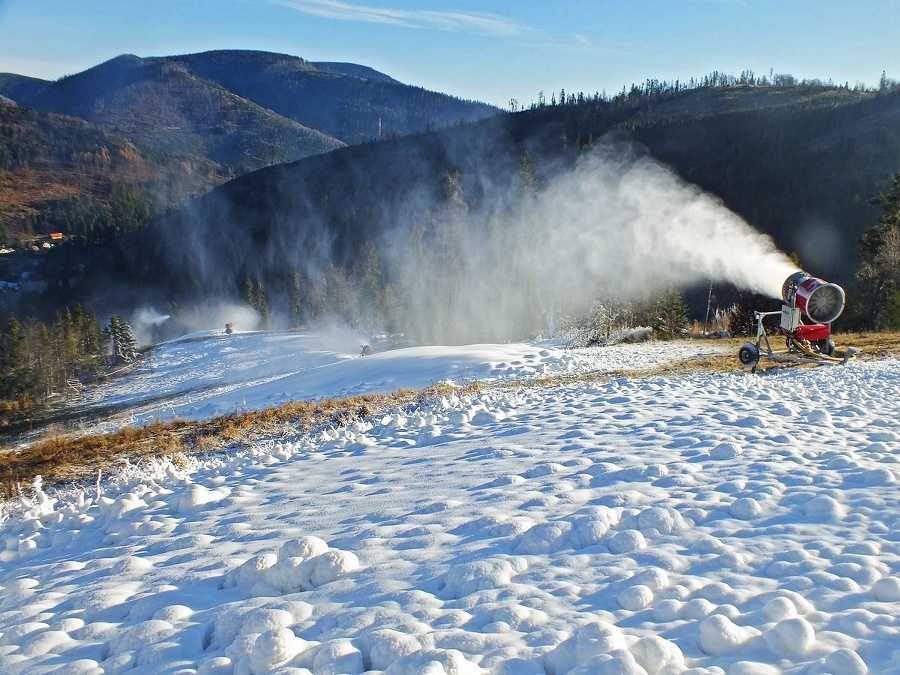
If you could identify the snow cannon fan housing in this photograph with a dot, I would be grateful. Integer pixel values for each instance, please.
(821, 301)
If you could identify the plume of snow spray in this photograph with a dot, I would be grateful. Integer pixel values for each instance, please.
(615, 222)
(635, 222)
(144, 321)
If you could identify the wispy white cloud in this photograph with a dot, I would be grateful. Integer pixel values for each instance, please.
(463, 22)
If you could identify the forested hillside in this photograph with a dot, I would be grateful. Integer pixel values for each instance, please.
(193, 122)
(60, 173)
(797, 161)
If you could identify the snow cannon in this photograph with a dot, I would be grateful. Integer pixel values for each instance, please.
(804, 296)
(821, 301)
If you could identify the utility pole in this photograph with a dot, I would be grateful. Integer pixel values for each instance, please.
(708, 307)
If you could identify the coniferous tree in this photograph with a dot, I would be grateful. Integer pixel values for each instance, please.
(13, 359)
(670, 318)
(121, 340)
(296, 297)
(372, 293)
(248, 291)
(742, 321)
(261, 305)
(879, 273)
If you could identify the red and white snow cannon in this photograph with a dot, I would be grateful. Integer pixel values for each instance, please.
(805, 296)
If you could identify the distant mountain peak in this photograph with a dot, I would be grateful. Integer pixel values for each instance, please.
(355, 70)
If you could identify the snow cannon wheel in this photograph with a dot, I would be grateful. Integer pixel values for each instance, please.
(749, 355)
(825, 347)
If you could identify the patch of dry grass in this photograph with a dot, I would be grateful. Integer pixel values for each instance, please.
(61, 458)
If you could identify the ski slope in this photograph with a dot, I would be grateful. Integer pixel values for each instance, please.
(716, 523)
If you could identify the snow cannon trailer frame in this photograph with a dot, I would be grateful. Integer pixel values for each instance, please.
(812, 345)
(806, 343)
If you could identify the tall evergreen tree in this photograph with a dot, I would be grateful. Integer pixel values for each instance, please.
(879, 272)
(297, 298)
(123, 344)
(261, 305)
(670, 318)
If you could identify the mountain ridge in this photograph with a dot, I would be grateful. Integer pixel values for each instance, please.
(179, 114)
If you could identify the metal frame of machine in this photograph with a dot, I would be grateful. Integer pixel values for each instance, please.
(804, 295)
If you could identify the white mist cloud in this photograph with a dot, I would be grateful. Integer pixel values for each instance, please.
(454, 21)
(215, 316)
(615, 224)
(207, 316)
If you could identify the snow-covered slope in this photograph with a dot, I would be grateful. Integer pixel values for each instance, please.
(736, 523)
(206, 374)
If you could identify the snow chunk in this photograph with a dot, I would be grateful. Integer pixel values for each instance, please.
(197, 495)
(275, 648)
(617, 662)
(627, 541)
(249, 572)
(874, 477)
(15, 634)
(779, 609)
(302, 547)
(386, 645)
(47, 642)
(718, 635)
(433, 662)
(726, 450)
(544, 538)
(887, 589)
(337, 656)
(263, 619)
(269, 573)
(791, 637)
(661, 519)
(635, 598)
(589, 528)
(287, 576)
(655, 655)
(479, 575)
(217, 665)
(655, 579)
(116, 508)
(174, 614)
(821, 509)
(593, 639)
(141, 635)
(331, 565)
(819, 417)
(846, 662)
(744, 508)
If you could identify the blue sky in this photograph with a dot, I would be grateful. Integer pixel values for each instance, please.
(490, 51)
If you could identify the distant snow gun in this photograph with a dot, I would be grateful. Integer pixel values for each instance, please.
(805, 297)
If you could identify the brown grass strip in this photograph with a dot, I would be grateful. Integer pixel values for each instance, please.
(61, 458)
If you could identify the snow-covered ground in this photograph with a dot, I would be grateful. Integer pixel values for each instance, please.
(206, 374)
(717, 523)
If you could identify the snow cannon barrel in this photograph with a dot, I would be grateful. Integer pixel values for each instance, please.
(821, 301)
